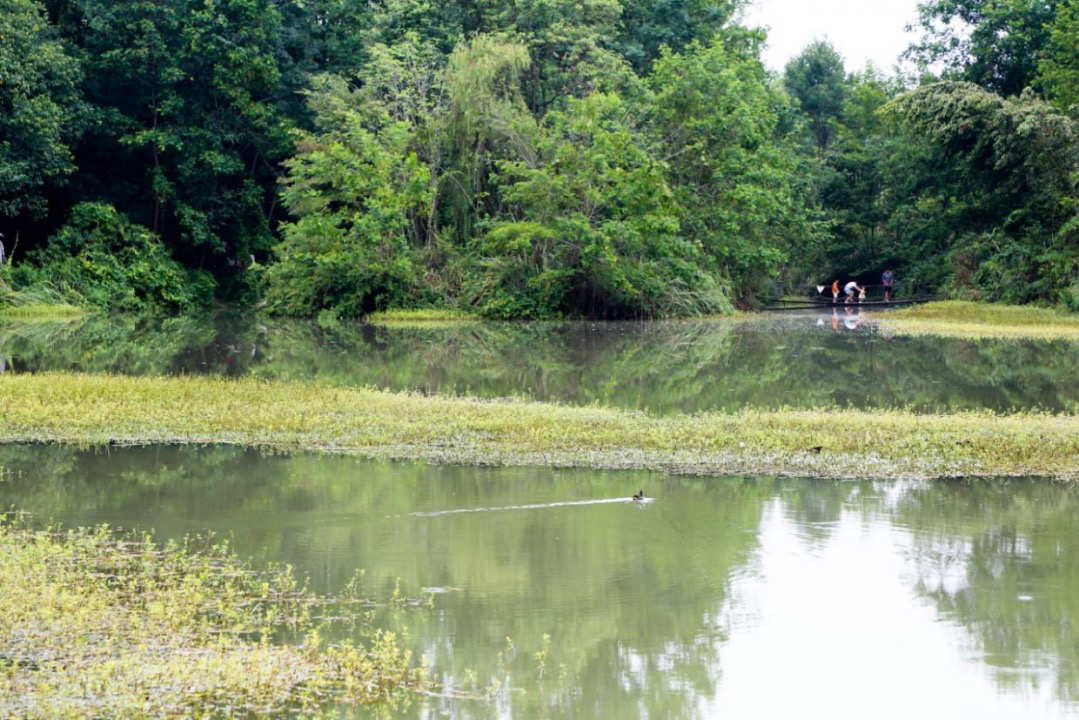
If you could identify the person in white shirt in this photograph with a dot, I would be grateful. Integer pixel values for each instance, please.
(851, 288)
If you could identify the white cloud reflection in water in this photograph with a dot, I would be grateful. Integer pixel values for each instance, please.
(834, 628)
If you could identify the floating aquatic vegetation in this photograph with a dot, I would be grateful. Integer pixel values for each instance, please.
(97, 624)
(420, 318)
(285, 416)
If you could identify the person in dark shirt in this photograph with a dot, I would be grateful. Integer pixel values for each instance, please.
(888, 278)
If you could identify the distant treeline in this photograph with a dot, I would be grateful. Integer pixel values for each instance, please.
(608, 158)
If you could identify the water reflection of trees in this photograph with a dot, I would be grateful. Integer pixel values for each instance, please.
(625, 593)
(1002, 560)
(665, 367)
(630, 598)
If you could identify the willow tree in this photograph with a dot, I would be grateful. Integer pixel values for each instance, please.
(486, 115)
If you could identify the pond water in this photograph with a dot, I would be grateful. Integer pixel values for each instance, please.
(735, 598)
(802, 360)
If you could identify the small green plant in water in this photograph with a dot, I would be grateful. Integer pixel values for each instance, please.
(105, 625)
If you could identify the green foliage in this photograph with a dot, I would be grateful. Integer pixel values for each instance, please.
(188, 99)
(1012, 189)
(396, 153)
(731, 167)
(817, 80)
(591, 226)
(40, 109)
(1058, 68)
(353, 192)
(994, 43)
(100, 259)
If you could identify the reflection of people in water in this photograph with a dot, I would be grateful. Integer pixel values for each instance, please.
(851, 319)
(835, 320)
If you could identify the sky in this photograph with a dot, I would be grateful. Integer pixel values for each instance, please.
(860, 30)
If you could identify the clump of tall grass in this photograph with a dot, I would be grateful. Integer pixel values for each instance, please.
(101, 625)
(38, 301)
(980, 320)
(98, 409)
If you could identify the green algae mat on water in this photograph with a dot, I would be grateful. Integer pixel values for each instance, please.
(100, 409)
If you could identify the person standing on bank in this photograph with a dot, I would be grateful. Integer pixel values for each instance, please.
(835, 291)
(888, 278)
(851, 288)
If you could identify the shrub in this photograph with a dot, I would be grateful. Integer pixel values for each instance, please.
(101, 259)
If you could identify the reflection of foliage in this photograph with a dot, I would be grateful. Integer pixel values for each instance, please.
(1000, 559)
(663, 367)
(114, 343)
(628, 596)
(609, 595)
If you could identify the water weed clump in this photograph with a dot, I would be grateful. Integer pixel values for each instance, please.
(421, 317)
(980, 320)
(97, 624)
(832, 443)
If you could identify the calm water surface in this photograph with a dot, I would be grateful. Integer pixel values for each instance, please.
(732, 598)
(780, 360)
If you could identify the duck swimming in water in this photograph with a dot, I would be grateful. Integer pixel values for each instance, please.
(639, 496)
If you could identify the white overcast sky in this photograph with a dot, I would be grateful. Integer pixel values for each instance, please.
(860, 30)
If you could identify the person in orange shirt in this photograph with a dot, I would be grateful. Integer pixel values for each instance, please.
(835, 291)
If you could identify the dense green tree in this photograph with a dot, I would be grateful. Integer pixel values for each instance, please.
(40, 108)
(651, 25)
(816, 79)
(1014, 161)
(738, 178)
(994, 43)
(1058, 69)
(354, 191)
(188, 122)
(591, 226)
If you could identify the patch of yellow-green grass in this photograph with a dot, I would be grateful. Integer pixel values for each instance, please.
(980, 320)
(37, 312)
(95, 625)
(422, 317)
(92, 409)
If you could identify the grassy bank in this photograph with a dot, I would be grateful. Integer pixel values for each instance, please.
(88, 409)
(99, 626)
(980, 320)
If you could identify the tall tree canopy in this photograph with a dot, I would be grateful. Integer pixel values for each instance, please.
(611, 158)
(817, 80)
(41, 112)
(994, 43)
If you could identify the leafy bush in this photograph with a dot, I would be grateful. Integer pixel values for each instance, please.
(101, 259)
